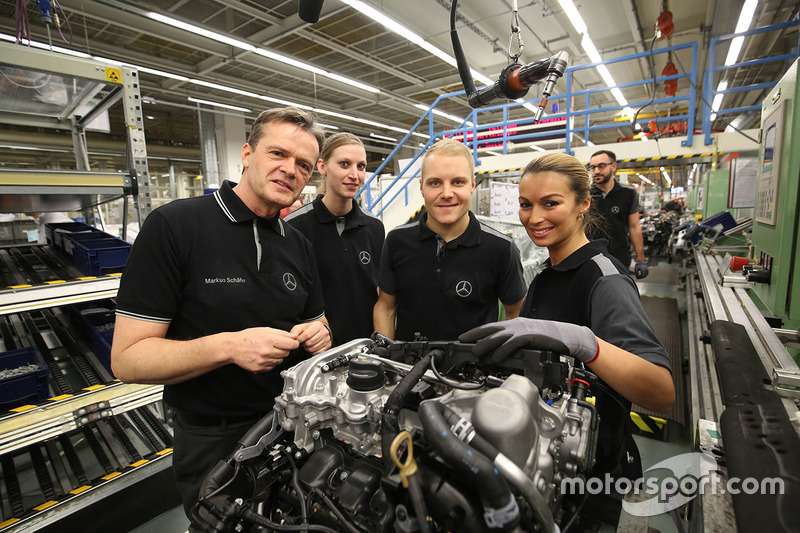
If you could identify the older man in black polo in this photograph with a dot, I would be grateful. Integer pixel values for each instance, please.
(219, 294)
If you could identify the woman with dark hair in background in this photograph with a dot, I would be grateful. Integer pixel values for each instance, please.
(583, 299)
(347, 241)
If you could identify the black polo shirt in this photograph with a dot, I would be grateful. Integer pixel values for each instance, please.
(208, 265)
(444, 289)
(616, 206)
(347, 264)
(591, 288)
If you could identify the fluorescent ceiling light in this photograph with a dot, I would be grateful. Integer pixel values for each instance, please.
(666, 176)
(217, 104)
(394, 26)
(43, 46)
(745, 19)
(644, 179)
(734, 50)
(588, 46)
(225, 88)
(106, 60)
(538, 148)
(493, 153)
(445, 115)
(288, 60)
(316, 70)
(281, 101)
(589, 143)
(628, 112)
(327, 126)
(574, 17)
(233, 90)
(197, 30)
(617, 94)
(382, 141)
(376, 136)
(715, 105)
(746, 16)
(351, 82)
(594, 56)
(159, 73)
(606, 75)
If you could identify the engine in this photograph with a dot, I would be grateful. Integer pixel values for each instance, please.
(388, 436)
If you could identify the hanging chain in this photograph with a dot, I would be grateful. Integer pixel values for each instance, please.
(515, 33)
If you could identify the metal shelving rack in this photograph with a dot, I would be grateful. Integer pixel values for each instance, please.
(52, 90)
(66, 86)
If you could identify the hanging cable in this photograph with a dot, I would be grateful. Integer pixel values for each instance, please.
(634, 123)
(57, 4)
(514, 81)
(727, 123)
(22, 22)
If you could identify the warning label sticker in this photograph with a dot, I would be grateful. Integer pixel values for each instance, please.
(114, 75)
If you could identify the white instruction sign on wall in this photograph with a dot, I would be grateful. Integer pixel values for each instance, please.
(504, 199)
(742, 188)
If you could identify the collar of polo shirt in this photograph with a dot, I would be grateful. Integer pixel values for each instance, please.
(236, 210)
(470, 237)
(354, 216)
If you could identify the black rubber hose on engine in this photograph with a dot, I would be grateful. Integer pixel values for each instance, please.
(511, 472)
(469, 464)
(259, 429)
(389, 426)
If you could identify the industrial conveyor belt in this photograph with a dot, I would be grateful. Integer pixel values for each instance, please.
(41, 477)
(663, 314)
(71, 365)
(34, 264)
(36, 276)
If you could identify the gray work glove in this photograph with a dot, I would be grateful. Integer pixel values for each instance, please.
(641, 269)
(504, 338)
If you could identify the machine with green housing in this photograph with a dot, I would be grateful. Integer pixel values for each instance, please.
(775, 229)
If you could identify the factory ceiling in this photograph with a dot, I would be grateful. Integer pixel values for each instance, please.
(366, 78)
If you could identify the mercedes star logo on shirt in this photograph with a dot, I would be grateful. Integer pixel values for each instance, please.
(463, 288)
(364, 257)
(615, 209)
(289, 281)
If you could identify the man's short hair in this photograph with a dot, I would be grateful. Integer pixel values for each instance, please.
(305, 120)
(449, 147)
(609, 153)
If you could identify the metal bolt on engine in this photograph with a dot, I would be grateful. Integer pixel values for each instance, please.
(315, 435)
(343, 475)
